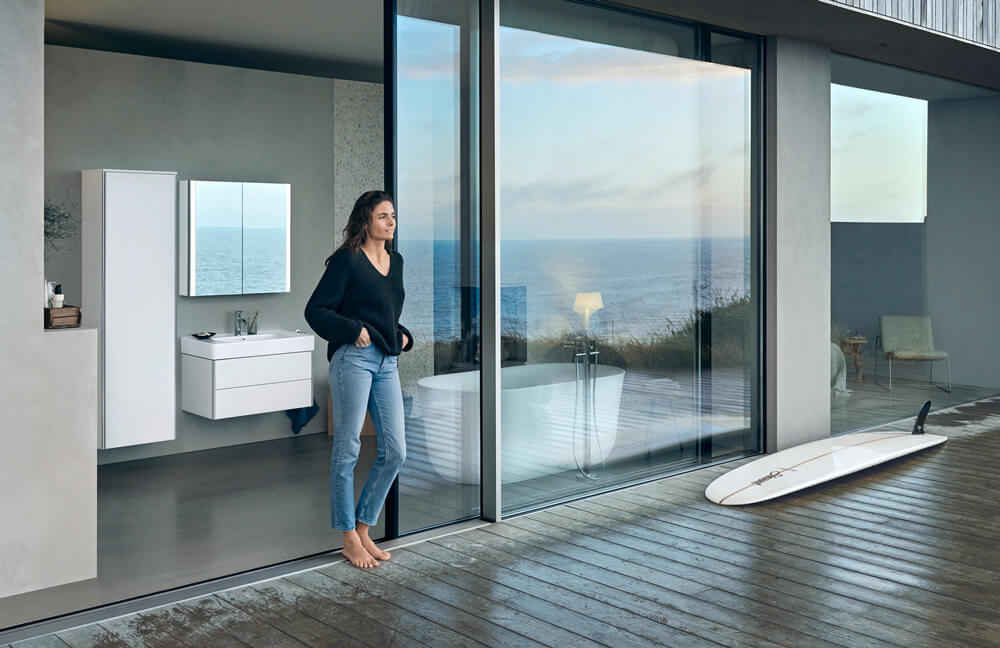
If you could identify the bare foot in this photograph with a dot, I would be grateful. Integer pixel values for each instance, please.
(367, 543)
(355, 552)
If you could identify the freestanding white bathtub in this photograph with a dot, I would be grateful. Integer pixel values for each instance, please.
(538, 432)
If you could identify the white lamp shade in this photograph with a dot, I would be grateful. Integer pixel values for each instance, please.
(587, 303)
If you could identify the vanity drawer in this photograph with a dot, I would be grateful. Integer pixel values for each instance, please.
(260, 370)
(257, 399)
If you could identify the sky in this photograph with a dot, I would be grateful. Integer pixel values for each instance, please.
(250, 205)
(878, 156)
(597, 141)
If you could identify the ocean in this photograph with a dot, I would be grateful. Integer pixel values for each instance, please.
(235, 261)
(646, 285)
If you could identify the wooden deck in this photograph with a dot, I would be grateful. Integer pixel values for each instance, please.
(904, 555)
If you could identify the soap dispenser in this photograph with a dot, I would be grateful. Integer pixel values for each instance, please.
(58, 298)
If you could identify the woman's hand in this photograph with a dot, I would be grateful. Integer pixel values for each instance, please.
(363, 339)
(406, 340)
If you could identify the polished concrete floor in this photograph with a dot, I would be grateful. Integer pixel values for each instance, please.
(906, 555)
(180, 519)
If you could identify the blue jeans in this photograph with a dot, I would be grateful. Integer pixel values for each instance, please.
(364, 379)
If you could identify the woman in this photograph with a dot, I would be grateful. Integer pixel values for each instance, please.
(356, 309)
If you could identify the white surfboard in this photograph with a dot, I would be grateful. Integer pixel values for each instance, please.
(816, 462)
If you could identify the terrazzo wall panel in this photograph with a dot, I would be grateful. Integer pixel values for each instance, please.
(359, 163)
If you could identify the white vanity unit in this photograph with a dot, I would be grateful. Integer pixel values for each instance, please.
(229, 375)
(129, 272)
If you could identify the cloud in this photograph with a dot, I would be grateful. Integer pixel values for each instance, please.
(528, 57)
(565, 60)
(717, 183)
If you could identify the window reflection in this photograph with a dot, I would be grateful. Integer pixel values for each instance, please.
(626, 214)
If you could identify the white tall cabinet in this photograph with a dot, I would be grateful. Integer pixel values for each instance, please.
(129, 295)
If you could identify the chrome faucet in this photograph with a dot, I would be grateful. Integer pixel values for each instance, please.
(582, 348)
(238, 322)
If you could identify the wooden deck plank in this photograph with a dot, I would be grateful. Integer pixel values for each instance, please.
(823, 539)
(899, 571)
(92, 636)
(919, 491)
(778, 593)
(644, 617)
(802, 571)
(370, 605)
(443, 564)
(328, 612)
(856, 581)
(934, 537)
(287, 619)
(815, 516)
(456, 619)
(599, 569)
(47, 641)
(900, 621)
(852, 532)
(178, 625)
(619, 622)
(817, 499)
(798, 630)
(484, 608)
(136, 630)
(230, 619)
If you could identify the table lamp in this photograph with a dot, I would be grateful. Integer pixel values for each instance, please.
(587, 303)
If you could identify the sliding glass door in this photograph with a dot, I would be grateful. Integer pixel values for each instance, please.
(627, 205)
(629, 201)
(436, 169)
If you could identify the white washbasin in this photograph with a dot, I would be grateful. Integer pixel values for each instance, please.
(226, 339)
(222, 347)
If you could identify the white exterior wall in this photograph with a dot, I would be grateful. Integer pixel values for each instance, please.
(48, 379)
(797, 351)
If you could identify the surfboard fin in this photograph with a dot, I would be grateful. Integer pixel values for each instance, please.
(918, 427)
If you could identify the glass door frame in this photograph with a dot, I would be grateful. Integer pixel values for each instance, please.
(490, 237)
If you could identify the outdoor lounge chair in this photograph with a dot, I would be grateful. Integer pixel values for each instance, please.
(907, 338)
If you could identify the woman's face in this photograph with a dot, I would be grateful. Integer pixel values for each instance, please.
(383, 222)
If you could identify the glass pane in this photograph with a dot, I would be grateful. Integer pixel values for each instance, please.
(266, 237)
(912, 257)
(627, 214)
(217, 221)
(438, 211)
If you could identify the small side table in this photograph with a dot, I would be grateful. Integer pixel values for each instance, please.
(852, 347)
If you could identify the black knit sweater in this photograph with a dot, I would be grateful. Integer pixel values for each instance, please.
(352, 294)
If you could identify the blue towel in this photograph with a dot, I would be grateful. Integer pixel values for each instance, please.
(301, 416)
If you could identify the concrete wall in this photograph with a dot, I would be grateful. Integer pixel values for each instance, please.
(209, 122)
(48, 396)
(876, 269)
(359, 166)
(797, 351)
(945, 267)
(963, 234)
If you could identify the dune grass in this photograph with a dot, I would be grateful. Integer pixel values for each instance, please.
(721, 332)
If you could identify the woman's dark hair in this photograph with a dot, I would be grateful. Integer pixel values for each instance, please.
(356, 231)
